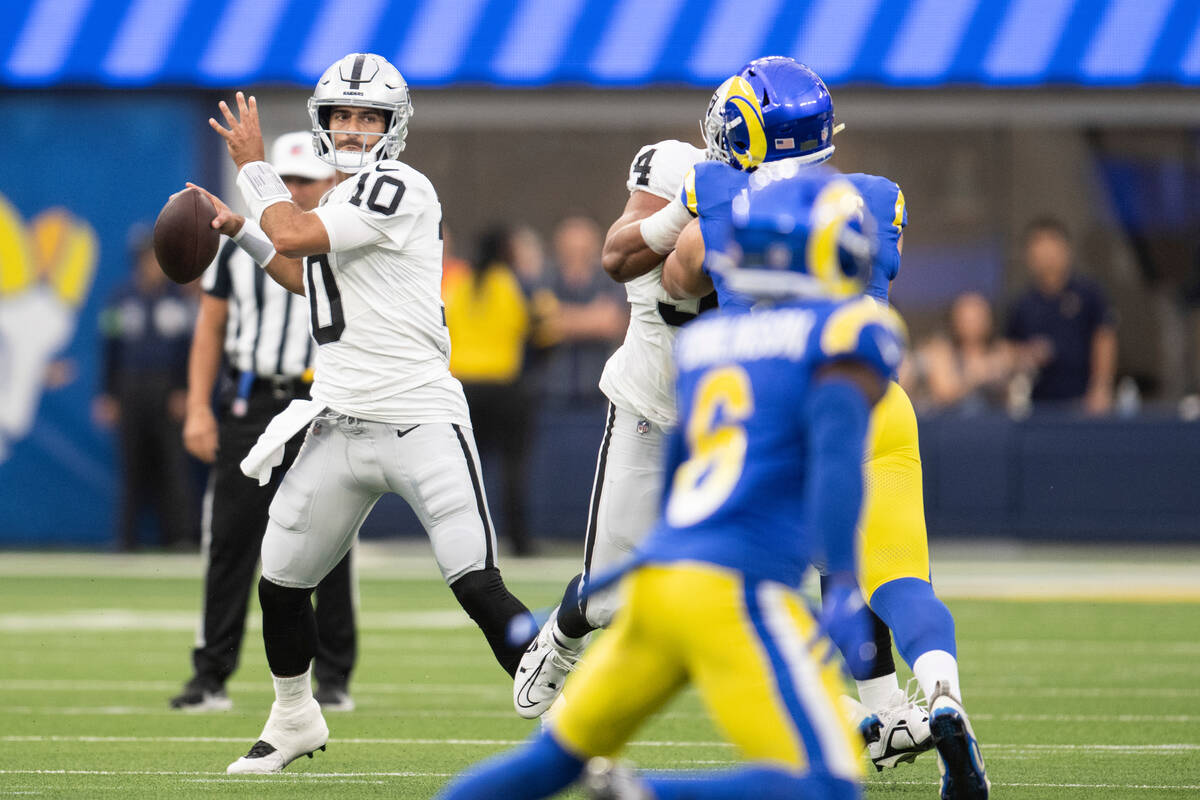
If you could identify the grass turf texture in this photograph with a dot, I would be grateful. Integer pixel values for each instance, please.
(1071, 699)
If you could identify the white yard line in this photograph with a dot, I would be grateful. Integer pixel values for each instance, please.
(1080, 691)
(163, 711)
(981, 570)
(124, 619)
(350, 777)
(242, 740)
(94, 685)
(990, 747)
(1141, 786)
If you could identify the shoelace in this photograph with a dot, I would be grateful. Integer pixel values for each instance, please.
(914, 696)
(564, 661)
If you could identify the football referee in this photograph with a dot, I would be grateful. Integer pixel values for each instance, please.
(262, 329)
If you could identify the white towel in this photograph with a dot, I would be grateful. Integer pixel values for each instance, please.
(267, 453)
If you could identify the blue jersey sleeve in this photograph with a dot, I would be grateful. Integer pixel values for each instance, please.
(885, 203)
(837, 415)
(708, 192)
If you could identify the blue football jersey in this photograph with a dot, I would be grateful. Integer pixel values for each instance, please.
(739, 456)
(708, 193)
(885, 203)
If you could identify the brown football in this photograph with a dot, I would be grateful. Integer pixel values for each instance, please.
(184, 240)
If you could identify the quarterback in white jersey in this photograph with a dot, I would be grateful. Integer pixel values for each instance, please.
(639, 383)
(386, 415)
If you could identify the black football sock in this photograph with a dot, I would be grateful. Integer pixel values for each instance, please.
(486, 599)
(572, 613)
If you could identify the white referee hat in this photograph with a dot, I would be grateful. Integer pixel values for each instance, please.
(292, 154)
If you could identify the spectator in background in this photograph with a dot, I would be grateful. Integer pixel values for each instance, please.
(966, 368)
(489, 322)
(147, 328)
(1063, 324)
(587, 319)
(529, 263)
(528, 258)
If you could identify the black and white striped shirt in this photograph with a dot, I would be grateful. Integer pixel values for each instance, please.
(267, 332)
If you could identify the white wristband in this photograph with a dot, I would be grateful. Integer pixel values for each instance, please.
(261, 187)
(661, 229)
(255, 242)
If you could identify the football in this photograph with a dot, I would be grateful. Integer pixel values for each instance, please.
(184, 240)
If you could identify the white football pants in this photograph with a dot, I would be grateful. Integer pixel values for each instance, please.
(346, 465)
(626, 498)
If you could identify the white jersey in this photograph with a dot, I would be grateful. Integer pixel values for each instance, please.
(375, 301)
(640, 376)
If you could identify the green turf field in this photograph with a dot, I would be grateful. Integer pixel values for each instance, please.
(1072, 697)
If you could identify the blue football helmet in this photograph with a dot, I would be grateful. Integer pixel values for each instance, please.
(797, 233)
(774, 108)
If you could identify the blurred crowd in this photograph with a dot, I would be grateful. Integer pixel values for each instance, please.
(1057, 352)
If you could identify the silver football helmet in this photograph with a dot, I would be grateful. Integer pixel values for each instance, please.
(362, 80)
(712, 127)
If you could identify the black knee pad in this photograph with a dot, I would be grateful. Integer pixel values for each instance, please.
(486, 599)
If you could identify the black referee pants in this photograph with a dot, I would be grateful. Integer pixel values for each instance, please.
(238, 522)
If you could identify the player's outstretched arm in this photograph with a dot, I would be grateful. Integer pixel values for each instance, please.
(626, 255)
(293, 232)
(683, 272)
(286, 271)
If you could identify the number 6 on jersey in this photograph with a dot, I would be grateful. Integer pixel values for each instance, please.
(717, 446)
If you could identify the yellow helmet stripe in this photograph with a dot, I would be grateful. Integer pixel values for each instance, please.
(741, 95)
(835, 206)
(845, 326)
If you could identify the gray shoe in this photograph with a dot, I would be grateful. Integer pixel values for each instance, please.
(606, 779)
(199, 695)
(334, 697)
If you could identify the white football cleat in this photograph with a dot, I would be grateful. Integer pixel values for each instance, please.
(285, 737)
(542, 672)
(894, 735)
(959, 760)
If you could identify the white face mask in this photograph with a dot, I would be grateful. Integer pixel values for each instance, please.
(354, 159)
